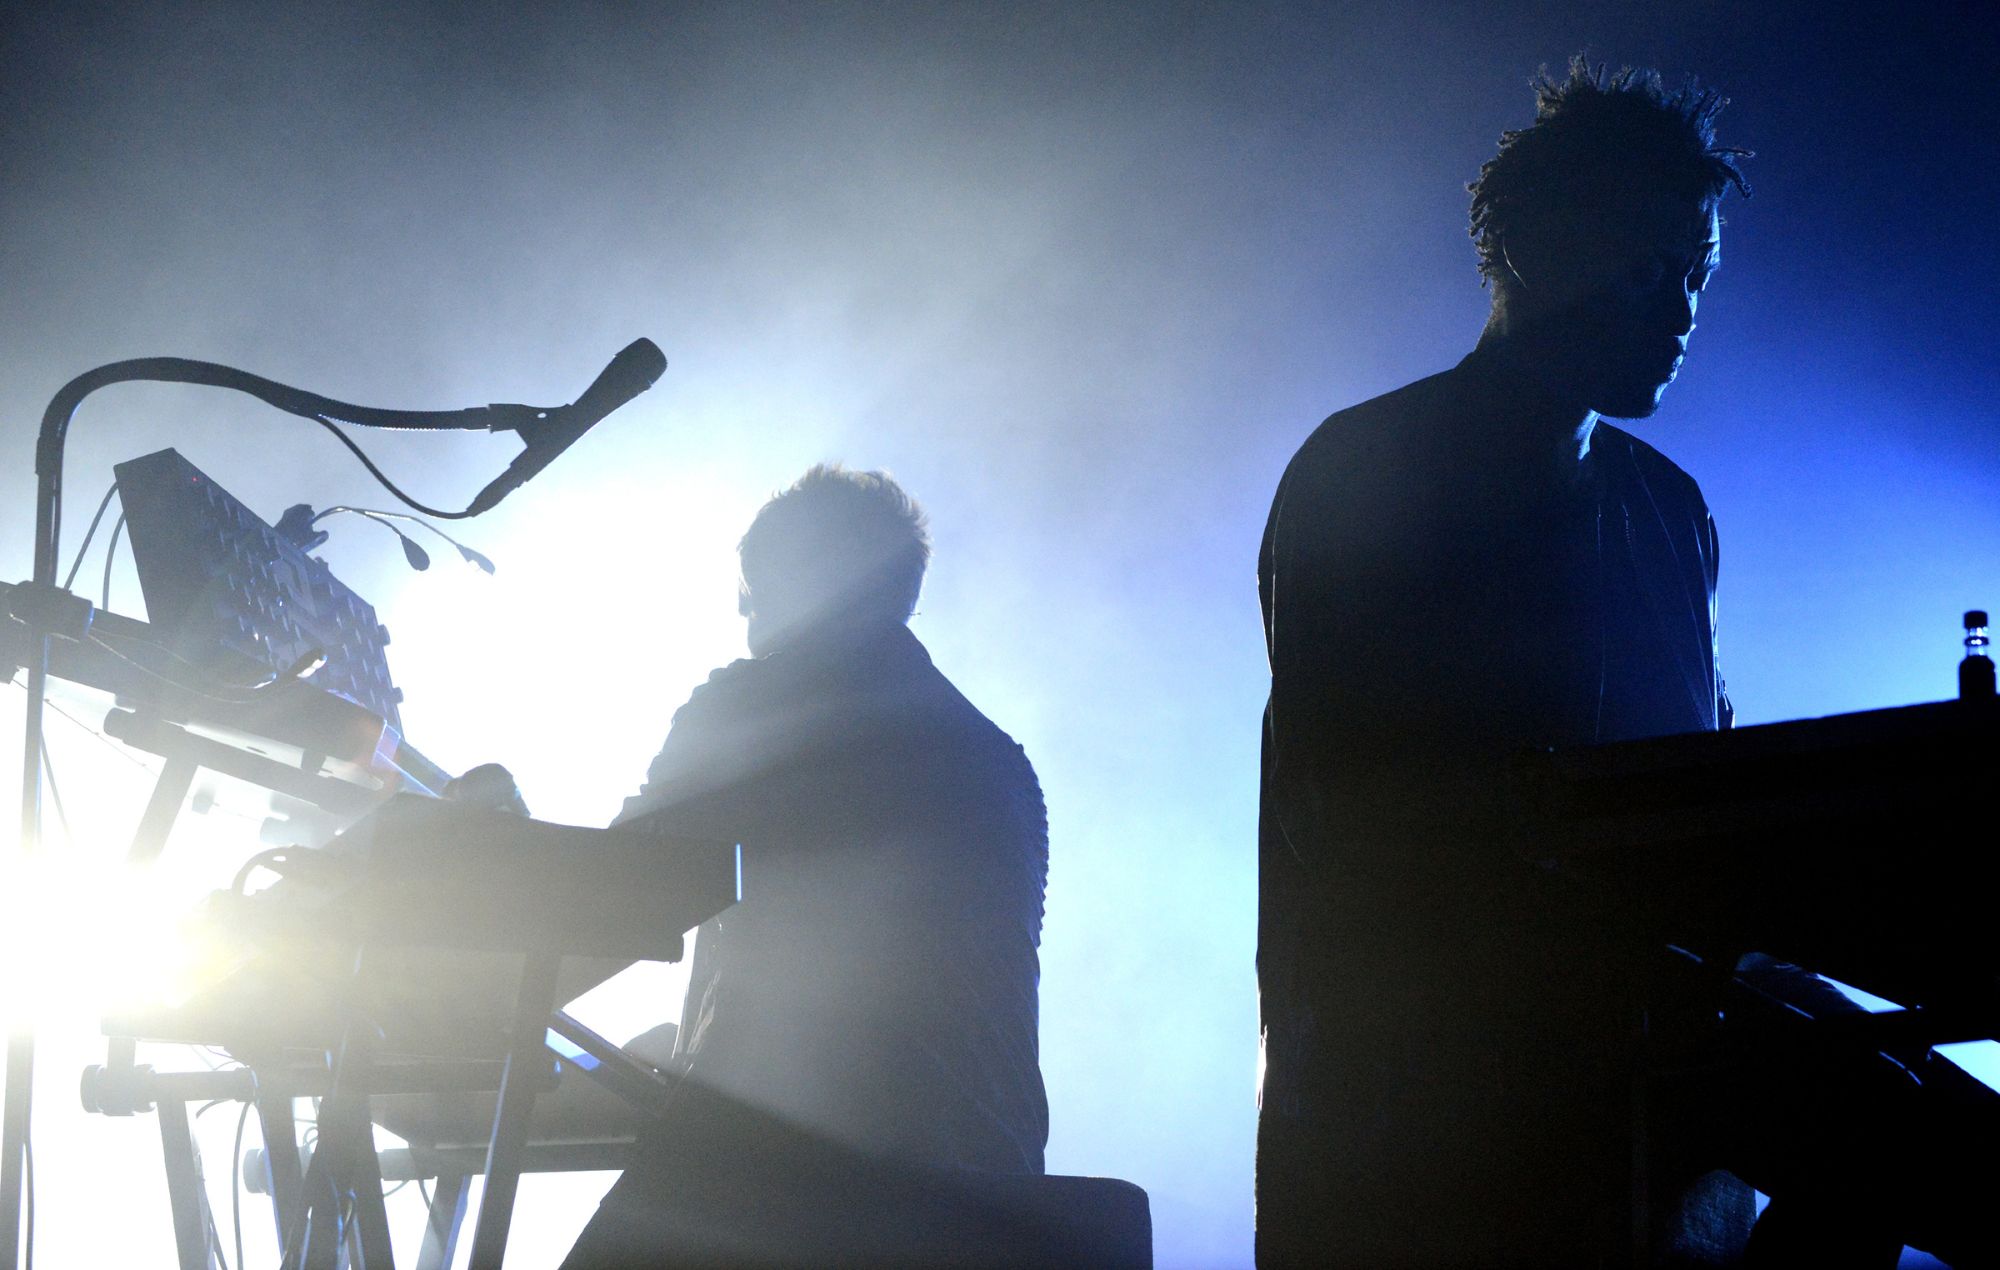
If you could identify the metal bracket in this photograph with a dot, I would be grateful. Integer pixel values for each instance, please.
(50, 610)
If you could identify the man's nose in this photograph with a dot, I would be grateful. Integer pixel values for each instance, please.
(1679, 305)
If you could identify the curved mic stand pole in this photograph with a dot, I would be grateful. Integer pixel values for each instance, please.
(47, 610)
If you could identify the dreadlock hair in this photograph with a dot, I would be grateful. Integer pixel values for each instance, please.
(1598, 139)
(850, 540)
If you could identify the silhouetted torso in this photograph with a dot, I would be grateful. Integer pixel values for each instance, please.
(1448, 1035)
(877, 986)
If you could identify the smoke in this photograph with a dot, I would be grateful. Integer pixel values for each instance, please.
(1080, 276)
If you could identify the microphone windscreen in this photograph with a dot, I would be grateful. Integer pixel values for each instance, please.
(630, 373)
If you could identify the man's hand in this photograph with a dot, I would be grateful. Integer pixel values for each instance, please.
(489, 787)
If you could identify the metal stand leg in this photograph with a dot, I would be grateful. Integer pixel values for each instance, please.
(361, 1179)
(447, 1216)
(14, 1139)
(640, 1086)
(284, 1179)
(508, 1150)
(313, 1240)
(169, 792)
(121, 1053)
(185, 1191)
(347, 1132)
(343, 1169)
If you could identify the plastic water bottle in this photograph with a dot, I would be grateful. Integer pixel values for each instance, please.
(1975, 673)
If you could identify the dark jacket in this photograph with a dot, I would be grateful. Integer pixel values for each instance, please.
(878, 983)
(1447, 1033)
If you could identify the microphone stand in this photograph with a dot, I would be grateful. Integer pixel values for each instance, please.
(49, 611)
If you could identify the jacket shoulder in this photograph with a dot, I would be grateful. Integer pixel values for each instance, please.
(1372, 429)
(1355, 472)
(1659, 472)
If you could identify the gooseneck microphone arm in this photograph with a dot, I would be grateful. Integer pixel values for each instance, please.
(47, 610)
(546, 430)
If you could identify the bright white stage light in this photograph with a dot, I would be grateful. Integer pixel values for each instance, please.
(90, 936)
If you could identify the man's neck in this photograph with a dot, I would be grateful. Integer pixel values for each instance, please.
(838, 637)
(1543, 424)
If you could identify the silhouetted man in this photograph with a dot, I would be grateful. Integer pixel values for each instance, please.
(874, 996)
(1460, 569)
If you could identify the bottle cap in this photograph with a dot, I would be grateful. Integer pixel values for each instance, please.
(1975, 617)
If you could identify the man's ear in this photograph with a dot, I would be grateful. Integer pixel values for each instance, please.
(1530, 255)
(1551, 263)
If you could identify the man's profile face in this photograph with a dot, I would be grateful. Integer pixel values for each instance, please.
(747, 609)
(1616, 327)
(767, 621)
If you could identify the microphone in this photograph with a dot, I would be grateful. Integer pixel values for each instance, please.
(630, 373)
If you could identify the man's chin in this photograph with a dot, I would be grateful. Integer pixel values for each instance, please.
(1635, 405)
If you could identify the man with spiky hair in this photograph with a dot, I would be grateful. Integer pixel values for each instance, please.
(1466, 567)
(872, 1001)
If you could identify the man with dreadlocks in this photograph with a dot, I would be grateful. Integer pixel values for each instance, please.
(1463, 568)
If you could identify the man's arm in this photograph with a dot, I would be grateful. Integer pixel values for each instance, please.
(1383, 718)
(737, 756)
(710, 752)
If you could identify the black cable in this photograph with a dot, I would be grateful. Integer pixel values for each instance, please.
(298, 1229)
(376, 513)
(115, 748)
(88, 534)
(193, 666)
(416, 555)
(214, 1236)
(111, 554)
(170, 681)
(265, 859)
(215, 1242)
(383, 479)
